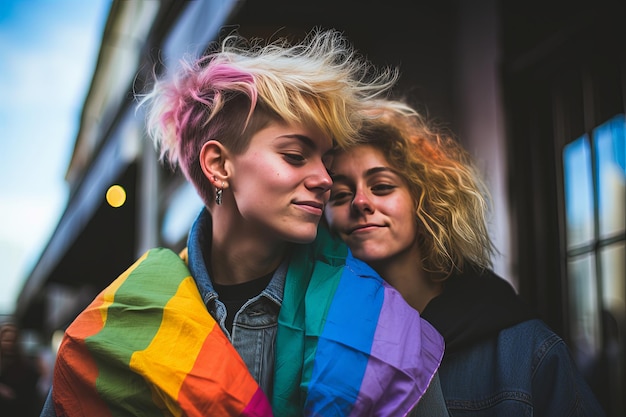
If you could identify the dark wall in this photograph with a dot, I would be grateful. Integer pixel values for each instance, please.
(419, 37)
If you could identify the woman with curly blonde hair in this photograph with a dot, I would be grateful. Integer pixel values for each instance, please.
(409, 201)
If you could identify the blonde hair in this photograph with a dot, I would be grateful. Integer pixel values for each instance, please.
(234, 91)
(451, 200)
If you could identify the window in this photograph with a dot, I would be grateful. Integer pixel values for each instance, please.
(594, 168)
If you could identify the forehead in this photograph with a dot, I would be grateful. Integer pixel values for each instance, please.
(286, 133)
(358, 157)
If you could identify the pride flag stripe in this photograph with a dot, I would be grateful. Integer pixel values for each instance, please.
(129, 329)
(347, 341)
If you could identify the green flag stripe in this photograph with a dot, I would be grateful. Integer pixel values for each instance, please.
(133, 319)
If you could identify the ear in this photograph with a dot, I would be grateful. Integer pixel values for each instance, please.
(213, 157)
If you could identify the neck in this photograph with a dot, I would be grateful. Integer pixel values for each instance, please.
(239, 255)
(406, 274)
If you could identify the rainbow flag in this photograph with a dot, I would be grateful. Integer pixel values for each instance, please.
(147, 346)
(347, 345)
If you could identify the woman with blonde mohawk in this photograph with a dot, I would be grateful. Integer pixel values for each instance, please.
(264, 313)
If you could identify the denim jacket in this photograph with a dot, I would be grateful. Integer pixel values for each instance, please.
(526, 370)
(500, 359)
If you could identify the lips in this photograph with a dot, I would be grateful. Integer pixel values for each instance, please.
(316, 204)
(312, 206)
(363, 227)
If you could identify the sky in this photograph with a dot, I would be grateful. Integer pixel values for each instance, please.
(48, 52)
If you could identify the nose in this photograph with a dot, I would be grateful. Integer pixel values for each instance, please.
(361, 203)
(319, 178)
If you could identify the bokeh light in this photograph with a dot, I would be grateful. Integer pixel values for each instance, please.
(116, 196)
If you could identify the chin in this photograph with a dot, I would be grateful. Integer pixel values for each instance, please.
(304, 236)
(368, 256)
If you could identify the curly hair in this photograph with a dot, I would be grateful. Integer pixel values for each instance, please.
(240, 85)
(451, 200)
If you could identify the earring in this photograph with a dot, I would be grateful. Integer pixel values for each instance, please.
(218, 194)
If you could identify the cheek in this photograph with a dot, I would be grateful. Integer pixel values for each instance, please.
(338, 217)
(404, 215)
(330, 214)
(255, 172)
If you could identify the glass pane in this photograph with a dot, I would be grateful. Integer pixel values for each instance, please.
(584, 311)
(613, 258)
(610, 139)
(578, 192)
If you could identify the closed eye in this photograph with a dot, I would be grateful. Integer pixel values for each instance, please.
(294, 158)
(383, 189)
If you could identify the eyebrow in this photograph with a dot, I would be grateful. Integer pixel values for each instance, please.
(307, 141)
(368, 173)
